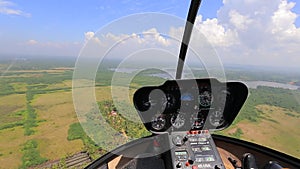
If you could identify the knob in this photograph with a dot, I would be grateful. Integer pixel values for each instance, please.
(217, 167)
(249, 161)
(185, 139)
(191, 162)
(179, 165)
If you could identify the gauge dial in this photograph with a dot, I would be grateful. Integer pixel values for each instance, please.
(177, 140)
(216, 118)
(158, 122)
(205, 98)
(177, 121)
(145, 105)
(168, 101)
(197, 120)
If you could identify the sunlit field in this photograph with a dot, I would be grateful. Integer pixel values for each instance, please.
(37, 116)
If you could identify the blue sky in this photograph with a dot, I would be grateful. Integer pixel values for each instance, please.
(55, 27)
(56, 20)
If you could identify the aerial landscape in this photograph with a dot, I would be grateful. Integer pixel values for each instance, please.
(39, 124)
(69, 73)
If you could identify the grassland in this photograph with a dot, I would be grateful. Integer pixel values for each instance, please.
(11, 105)
(270, 117)
(53, 105)
(36, 111)
(278, 128)
(56, 112)
(46, 91)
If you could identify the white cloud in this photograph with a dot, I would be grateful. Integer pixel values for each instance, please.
(32, 42)
(239, 21)
(264, 32)
(211, 29)
(5, 3)
(154, 35)
(8, 8)
(149, 37)
(215, 33)
(284, 18)
(116, 38)
(88, 35)
(245, 32)
(283, 22)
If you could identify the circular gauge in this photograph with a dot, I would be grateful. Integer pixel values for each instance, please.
(197, 120)
(158, 122)
(152, 101)
(177, 140)
(168, 101)
(216, 118)
(205, 98)
(145, 105)
(177, 121)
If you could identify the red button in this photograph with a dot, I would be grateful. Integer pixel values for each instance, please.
(187, 164)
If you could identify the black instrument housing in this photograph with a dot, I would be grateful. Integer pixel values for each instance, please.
(168, 100)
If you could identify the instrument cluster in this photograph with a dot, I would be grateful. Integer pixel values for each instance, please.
(195, 104)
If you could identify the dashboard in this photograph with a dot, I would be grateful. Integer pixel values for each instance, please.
(193, 104)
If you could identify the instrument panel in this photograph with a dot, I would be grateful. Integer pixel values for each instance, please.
(194, 150)
(193, 104)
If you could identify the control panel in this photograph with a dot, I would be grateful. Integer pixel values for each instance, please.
(195, 150)
(187, 110)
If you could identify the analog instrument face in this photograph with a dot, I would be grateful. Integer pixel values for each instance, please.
(177, 121)
(150, 100)
(216, 118)
(177, 140)
(168, 101)
(146, 104)
(205, 98)
(197, 120)
(158, 122)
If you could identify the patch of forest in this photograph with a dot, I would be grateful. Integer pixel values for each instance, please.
(108, 129)
(128, 127)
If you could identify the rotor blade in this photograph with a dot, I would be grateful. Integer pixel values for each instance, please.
(195, 4)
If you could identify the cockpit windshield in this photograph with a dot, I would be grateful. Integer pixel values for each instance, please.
(78, 80)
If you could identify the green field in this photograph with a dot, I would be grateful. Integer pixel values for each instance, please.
(277, 128)
(37, 115)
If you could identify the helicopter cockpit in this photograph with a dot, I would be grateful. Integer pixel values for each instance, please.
(180, 113)
(129, 84)
(186, 111)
